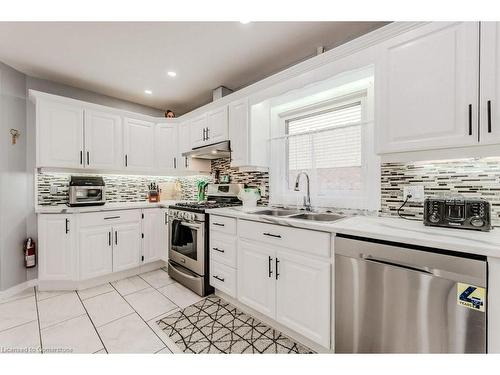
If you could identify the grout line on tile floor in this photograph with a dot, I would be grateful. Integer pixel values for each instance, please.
(57, 295)
(97, 295)
(91, 321)
(114, 320)
(38, 321)
(139, 315)
(135, 291)
(62, 321)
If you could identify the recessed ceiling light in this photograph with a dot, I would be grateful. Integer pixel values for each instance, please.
(244, 22)
(171, 74)
(148, 92)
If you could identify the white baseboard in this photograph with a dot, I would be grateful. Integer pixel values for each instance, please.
(7, 293)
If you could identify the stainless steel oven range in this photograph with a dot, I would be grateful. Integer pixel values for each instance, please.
(189, 237)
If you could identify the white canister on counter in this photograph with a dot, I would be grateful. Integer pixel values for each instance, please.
(249, 196)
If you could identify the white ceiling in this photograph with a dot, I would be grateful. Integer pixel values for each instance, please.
(122, 59)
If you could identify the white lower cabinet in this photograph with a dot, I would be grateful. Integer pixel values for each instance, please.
(256, 283)
(303, 295)
(155, 229)
(79, 247)
(56, 253)
(127, 251)
(96, 251)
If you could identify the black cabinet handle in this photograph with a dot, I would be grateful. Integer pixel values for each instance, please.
(166, 218)
(269, 266)
(126, 160)
(272, 235)
(186, 162)
(67, 226)
(111, 217)
(489, 116)
(277, 272)
(470, 119)
(219, 250)
(81, 157)
(219, 278)
(116, 237)
(109, 238)
(219, 224)
(204, 136)
(88, 158)
(175, 163)
(208, 134)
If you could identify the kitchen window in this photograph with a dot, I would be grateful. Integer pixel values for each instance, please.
(332, 142)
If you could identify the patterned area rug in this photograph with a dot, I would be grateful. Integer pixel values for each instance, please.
(214, 326)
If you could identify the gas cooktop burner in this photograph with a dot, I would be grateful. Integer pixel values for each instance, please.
(206, 204)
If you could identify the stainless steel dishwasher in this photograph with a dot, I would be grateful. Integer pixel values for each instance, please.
(398, 298)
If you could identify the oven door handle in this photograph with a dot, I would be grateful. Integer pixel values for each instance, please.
(192, 226)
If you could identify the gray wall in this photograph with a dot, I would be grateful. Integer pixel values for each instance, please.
(14, 207)
(17, 163)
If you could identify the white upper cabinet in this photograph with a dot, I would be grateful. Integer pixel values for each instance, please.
(427, 83)
(489, 105)
(166, 146)
(139, 144)
(238, 132)
(217, 125)
(198, 131)
(209, 128)
(103, 140)
(59, 135)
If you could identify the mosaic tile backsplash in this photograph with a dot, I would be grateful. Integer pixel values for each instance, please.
(130, 188)
(471, 178)
(119, 188)
(250, 179)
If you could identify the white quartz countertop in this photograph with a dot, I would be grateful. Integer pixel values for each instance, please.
(389, 229)
(64, 209)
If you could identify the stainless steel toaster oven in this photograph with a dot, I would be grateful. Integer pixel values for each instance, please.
(86, 191)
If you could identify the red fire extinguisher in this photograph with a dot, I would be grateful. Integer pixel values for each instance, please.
(30, 253)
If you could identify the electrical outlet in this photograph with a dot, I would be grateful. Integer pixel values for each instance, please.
(416, 191)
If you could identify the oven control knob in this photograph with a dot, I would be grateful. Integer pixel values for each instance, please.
(477, 222)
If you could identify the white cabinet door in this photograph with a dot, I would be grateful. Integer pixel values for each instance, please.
(238, 132)
(184, 137)
(427, 84)
(59, 135)
(56, 252)
(166, 146)
(217, 126)
(489, 107)
(127, 249)
(256, 278)
(198, 131)
(139, 144)
(95, 251)
(154, 227)
(103, 140)
(303, 295)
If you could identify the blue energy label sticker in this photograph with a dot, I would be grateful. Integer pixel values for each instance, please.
(472, 297)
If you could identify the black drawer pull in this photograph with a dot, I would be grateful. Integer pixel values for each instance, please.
(470, 119)
(67, 226)
(109, 238)
(272, 235)
(219, 224)
(489, 116)
(219, 250)
(111, 217)
(219, 278)
(116, 237)
(81, 157)
(88, 158)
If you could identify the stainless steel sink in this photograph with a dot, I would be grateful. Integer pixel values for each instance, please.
(278, 212)
(317, 217)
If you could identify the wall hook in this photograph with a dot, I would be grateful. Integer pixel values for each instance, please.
(15, 134)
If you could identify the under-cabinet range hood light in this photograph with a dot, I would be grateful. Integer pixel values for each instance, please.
(215, 151)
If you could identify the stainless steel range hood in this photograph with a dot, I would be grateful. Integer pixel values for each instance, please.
(215, 151)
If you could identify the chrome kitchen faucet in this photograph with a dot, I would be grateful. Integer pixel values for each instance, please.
(307, 197)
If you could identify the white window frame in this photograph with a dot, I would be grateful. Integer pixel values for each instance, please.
(367, 198)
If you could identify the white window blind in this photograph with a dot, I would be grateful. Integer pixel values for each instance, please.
(327, 143)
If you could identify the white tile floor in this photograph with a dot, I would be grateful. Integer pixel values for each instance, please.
(110, 318)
